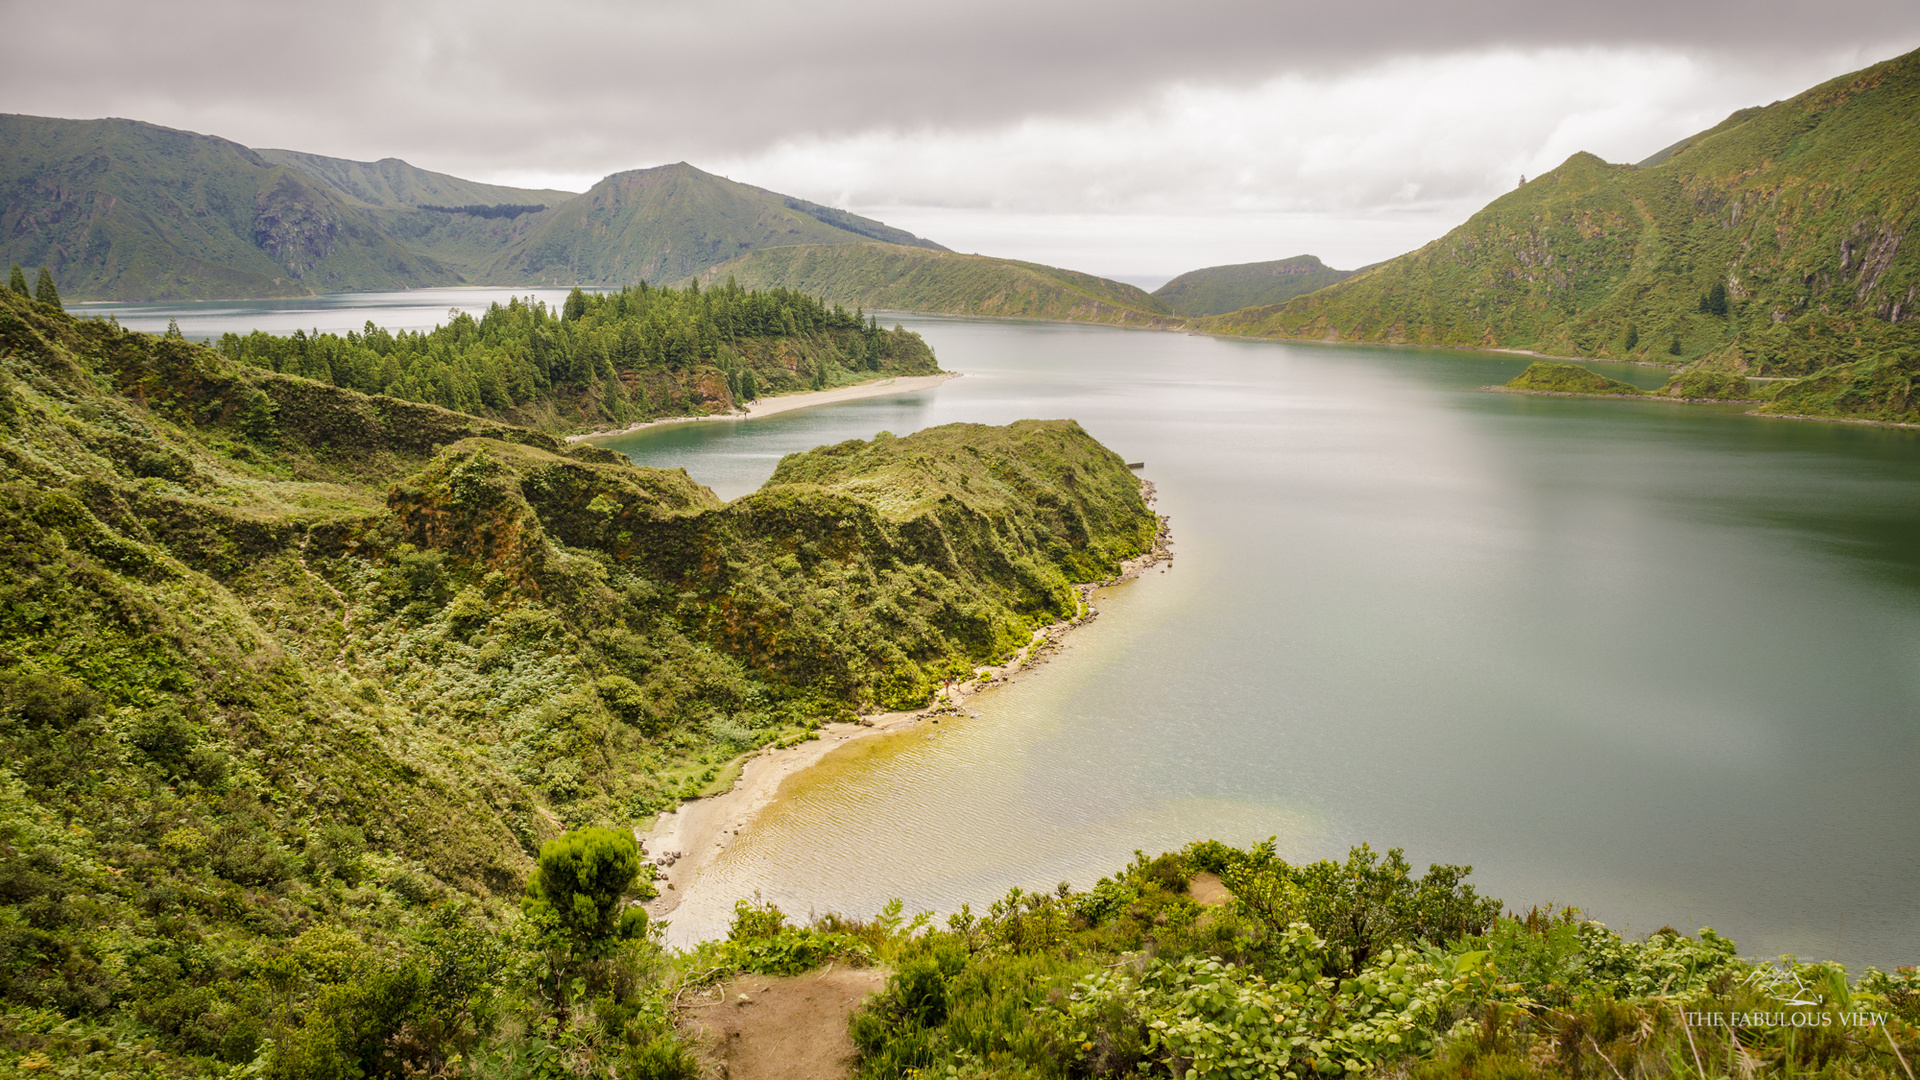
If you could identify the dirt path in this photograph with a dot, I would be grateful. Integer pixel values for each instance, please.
(758, 1027)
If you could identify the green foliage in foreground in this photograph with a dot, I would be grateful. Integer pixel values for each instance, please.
(1337, 969)
(297, 684)
(1546, 377)
(900, 278)
(604, 359)
(1768, 246)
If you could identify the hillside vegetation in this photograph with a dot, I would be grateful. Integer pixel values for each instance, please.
(605, 359)
(296, 682)
(124, 210)
(666, 223)
(1356, 968)
(1773, 244)
(462, 224)
(896, 278)
(1545, 377)
(1216, 290)
(121, 210)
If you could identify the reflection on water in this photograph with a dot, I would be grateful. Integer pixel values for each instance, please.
(334, 313)
(1659, 660)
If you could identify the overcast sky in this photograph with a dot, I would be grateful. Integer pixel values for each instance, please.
(1121, 137)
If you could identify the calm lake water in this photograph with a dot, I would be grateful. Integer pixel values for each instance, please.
(1655, 660)
(334, 313)
(1658, 661)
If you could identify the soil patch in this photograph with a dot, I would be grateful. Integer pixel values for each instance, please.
(791, 1028)
(1208, 890)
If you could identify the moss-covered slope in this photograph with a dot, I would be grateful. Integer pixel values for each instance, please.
(293, 680)
(898, 278)
(1545, 377)
(121, 210)
(1770, 245)
(666, 223)
(1216, 290)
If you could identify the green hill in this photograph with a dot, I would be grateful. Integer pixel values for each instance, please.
(1216, 290)
(390, 183)
(296, 681)
(1769, 245)
(896, 278)
(665, 224)
(1544, 377)
(123, 210)
(463, 224)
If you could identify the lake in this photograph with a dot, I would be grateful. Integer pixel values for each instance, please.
(1655, 660)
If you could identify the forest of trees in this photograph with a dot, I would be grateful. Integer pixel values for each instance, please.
(609, 358)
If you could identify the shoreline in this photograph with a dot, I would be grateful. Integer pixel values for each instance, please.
(1649, 396)
(1709, 401)
(806, 399)
(684, 841)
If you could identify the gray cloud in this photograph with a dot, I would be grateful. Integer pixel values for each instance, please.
(1121, 137)
(588, 86)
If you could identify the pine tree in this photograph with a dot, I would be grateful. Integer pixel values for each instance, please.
(1715, 302)
(18, 282)
(44, 291)
(576, 305)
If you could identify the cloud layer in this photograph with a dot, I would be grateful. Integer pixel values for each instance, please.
(1395, 110)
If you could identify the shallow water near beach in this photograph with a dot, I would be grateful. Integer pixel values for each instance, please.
(1659, 661)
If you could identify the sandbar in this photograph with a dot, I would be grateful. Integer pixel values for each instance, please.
(780, 403)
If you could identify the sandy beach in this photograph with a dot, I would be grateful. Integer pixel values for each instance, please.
(686, 840)
(789, 402)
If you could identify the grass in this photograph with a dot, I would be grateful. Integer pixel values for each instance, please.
(1546, 377)
(1217, 290)
(1766, 247)
(894, 277)
(294, 681)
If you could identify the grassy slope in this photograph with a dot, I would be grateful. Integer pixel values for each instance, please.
(1216, 290)
(393, 184)
(125, 210)
(1544, 377)
(282, 664)
(915, 279)
(658, 225)
(390, 191)
(1798, 209)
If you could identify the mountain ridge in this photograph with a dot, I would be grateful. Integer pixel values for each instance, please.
(128, 210)
(1769, 245)
(892, 277)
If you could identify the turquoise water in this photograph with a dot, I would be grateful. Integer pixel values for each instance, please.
(1660, 661)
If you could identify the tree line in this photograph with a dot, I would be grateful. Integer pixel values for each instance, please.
(619, 356)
